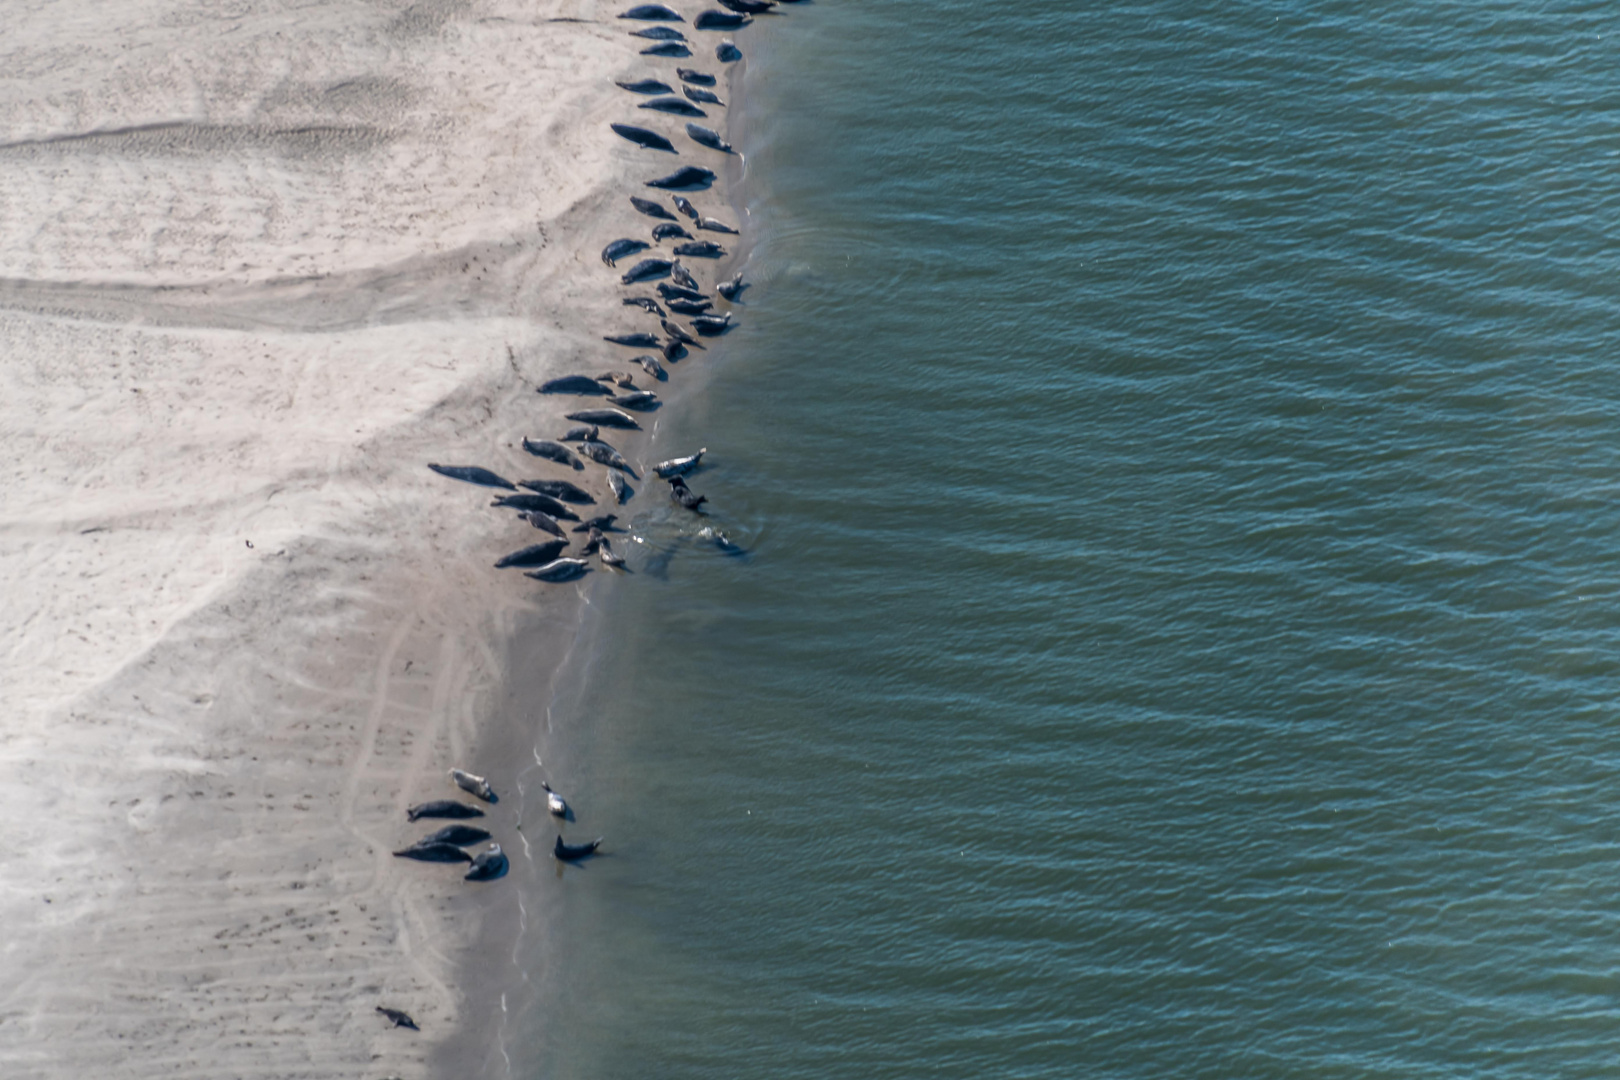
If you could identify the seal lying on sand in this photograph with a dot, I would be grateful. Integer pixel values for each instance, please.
(647, 86)
(433, 853)
(651, 140)
(475, 785)
(727, 52)
(645, 303)
(670, 230)
(621, 490)
(460, 835)
(641, 340)
(638, 399)
(678, 106)
(559, 570)
(690, 307)
(400, 1019)
(552, 451)
(620, 248)
(571, 384)
(673, 329)
(603, 454)
(688, 176)
(612, 418)
(650, 208)
(731, 289)
(533, 555)
(646, 269)
(749, 7)
(653, 13)
(559, 489)
(700, 249)
(707, 137)
(698, 78)
(659, 33)
(489, 865)
(442, 808)
(542, 521)
(570, 852)
(536, 501)
(472, 474)
(668, 48)
(678, 292)
(715, 225)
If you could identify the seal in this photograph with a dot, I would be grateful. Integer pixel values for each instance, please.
(695, 77)
(620, 248)
(603, 454)
(621, 490)
(552, 451)
(650, 208)
(727, 52)
(542, 521)
(433, 853)
(400, 1019)
(702, 97)
(678, 292)
(720, 20)
(618, 378)
(472, 474)
(640, 340)
(598, 523)
(686, 178)
(690, 307)
(612, 418)
(670, 230)
(643, 137)
(640, 400)
(543, 503)
(571, 852)
(646, 86)
(749, 7)
(710, 325)
(533, 555)
(700, 249)
(579, 434)
(684, 205)
(679, 466)
(593, 542)
(571, 384)
(651, 366)
(554, 802)
(674, 105)
(459, 835)
(653, 13)
(442, 808)
(659, 33)
(706, 137)
(716, 225)
(608, 556)
(684, 495)
(559, 489)
(489, 865)
(731, 289)
(683, 277)
(560, 570)
(673, 329)
(473, 785)
(646, 270)
(674, 350)
(646, 303)
(668, 48)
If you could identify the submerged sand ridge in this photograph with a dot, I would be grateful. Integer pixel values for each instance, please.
(258, 265)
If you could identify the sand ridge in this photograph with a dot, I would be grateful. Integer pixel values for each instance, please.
(259, 263)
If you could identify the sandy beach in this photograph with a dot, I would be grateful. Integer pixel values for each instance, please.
(259, 264)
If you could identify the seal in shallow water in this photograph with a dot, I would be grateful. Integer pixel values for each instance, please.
(570, 852)
(473, 474)
(442, 808)
(473, 785)
(559, 570)
(685, 495)
(680, 466)
(554, 802)
(731, 289)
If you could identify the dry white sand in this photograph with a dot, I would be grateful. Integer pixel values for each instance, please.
(260, 261)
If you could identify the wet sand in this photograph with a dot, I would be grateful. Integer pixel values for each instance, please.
(258, 267)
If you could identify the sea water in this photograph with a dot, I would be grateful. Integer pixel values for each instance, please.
(1174, 452)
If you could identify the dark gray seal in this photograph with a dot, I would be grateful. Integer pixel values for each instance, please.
(571, 852)
(707, 137)
(710, 325)
(685, 495)
(559, 570)
(646, 303)
(433, 853)
(653, 13)
(473, 785)
(560, 489)
(643, 137)
(489, 865)
(640, 400)
(727, 52)
(697, 78)
(609, 557)
(542, 521)
(620, 248)
(647, 86)
(473, 474)
(677, 106)
(597, 523)
(700, 249)
(533, 555)
(571, 384)
(679, 292)
(459, 835)
(659, 33)
(442, 808)
(634, 341)
(646, 269)
(543, 503)
(731, 289)
(720, 20)
(552, 451)
(668, 48)
(748, 7)
(398, 1018)
(651, 366)
(670, 230)
(580, 433)
(690, 307)
(683, 277)
(701, 96)
(612, 418)
(677, 333)
(684, 205)
(650, 208)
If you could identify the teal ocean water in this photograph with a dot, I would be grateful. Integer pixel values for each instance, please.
(1175, 446)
